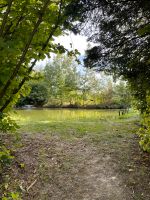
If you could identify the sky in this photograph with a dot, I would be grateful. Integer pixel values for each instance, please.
(78, 42)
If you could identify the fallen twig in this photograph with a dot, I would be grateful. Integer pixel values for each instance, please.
(32, 184)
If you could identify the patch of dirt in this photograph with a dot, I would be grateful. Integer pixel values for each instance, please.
(54, 169)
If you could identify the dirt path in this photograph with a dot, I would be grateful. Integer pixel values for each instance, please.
(109, 168)
(101, 181)
(68, 171)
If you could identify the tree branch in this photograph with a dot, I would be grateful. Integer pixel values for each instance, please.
(7, 32)
(16, 90)
(5, 17)
(8, 83)
(20, 19)
(3, 5)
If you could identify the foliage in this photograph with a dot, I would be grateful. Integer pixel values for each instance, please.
(89, 87)
(61, 84)
(144, 131)
(7, 124)
(122, 94)
(66, 86)
(27, 31)
(12, 196)
(82, 88)
(5, 160)
(38, 95)
(144, 134)
(5, 156)
(121, 32)
(61, 78)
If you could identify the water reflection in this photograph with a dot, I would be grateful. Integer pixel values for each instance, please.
(51, 115)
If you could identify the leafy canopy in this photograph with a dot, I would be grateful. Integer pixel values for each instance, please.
(121, 31)
(27, 31)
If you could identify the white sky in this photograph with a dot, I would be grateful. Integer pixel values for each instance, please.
(78, 42)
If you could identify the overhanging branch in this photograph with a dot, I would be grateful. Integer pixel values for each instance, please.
(8, 83)
(16, 90)
(5, 17)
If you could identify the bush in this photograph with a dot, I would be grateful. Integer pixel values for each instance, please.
(7, 124)
(144, 133)
(5, 156)
(37, 97)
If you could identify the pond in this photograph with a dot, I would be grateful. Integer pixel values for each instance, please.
(65, 122)
(61, 115)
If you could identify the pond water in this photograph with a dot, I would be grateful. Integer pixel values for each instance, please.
(61, 115)
(66, 123)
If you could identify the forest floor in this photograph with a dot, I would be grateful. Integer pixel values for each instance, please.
(104, 165)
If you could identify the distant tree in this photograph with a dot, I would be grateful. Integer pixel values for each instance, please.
(108, 93)
(89, 86)
(122, 94)
(61, 78)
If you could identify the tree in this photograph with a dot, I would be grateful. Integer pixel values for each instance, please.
(89, 86)
(38, 95)
(121, 32)
(27, 30)
(122, 94)
(61, 78)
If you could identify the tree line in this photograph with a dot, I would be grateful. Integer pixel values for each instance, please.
(63, 83)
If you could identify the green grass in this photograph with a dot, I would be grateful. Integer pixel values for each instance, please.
(70, 123)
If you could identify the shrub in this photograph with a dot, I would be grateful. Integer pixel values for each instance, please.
(144, 133)
(7, 124)
(5, 156)
(38, 95)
